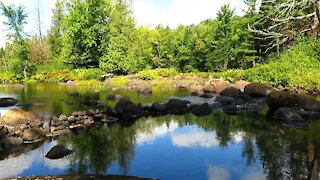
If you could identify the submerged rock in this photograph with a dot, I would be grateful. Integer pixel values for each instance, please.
(145, 91)
(288, 114)
(57, 152)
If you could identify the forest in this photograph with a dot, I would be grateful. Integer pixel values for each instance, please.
(274, 42)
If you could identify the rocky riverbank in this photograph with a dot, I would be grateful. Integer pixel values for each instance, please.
(19, 127)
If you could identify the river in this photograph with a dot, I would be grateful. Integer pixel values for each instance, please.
(217, 146)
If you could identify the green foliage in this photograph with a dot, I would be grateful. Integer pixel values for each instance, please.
(85, 28)
(119, 81)
(119, 58)
(151, 74)
(88, 74)
(298, 67)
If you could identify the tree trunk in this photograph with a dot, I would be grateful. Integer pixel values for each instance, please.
(316, 17)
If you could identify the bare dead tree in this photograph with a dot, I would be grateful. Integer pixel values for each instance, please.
(286, 23)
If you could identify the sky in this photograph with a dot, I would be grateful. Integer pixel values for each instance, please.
(147, 12)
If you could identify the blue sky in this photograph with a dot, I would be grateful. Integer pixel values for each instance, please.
(146, 12)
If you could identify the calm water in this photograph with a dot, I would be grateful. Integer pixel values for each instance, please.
(218, 146)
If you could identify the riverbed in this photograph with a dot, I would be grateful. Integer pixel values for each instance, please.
(218, 146)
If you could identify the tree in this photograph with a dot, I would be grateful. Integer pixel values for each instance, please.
(55, 32)
(86, 28)
(119, 58)
(284, 21)
(16, 18)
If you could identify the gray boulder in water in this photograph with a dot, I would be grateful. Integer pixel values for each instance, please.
(57, 152)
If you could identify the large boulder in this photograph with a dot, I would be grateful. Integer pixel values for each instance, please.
(286, 99)
(309, 104)
(57, 152)
(241, 84)
(6, 102)
(177, 106)
(287, 114)
(277, 99)
(216, 85)
(258, 89)
(231, 92)
(157, 109)
(127, 109)
(16, 117)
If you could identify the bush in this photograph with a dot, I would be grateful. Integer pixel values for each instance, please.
(148, 75)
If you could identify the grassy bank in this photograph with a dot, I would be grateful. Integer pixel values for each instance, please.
(297, 68)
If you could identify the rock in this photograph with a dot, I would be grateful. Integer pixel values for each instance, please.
(309, 104)
(258, 89)
(196, 88)
(201, 110)
(74, 94)
(33, 134)
(11, 141)
(157, 109)
(224, 99)
(114, 97)
(241, 84)
(231, 109)
(63, 117)
(3, 131)
(295, 124)
(71, 119)
(206, 96)
(57, 128)
(279, 99)
(288, 114)
(216, 85)
(6, 102)
(57, 152)
(310, 114)
(91, 102)
(16, 117)
(106, 76)
(287, 99)
(230, 92)
(111, 111)
(71, 83)
(61, 132)
(127, 109)
(195, 93)
(177, 106)
(145, 91)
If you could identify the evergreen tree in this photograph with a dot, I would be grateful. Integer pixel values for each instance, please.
(119, 57)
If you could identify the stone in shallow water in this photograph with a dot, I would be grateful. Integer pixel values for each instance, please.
(57, 152)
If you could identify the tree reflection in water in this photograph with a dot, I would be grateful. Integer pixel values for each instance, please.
(284, 153)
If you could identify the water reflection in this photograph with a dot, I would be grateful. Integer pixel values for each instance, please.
(218, 146)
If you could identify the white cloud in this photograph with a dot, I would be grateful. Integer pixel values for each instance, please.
(195, 138)
(181, 11)
(13, 166)
(217, 173)
(157, 132)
